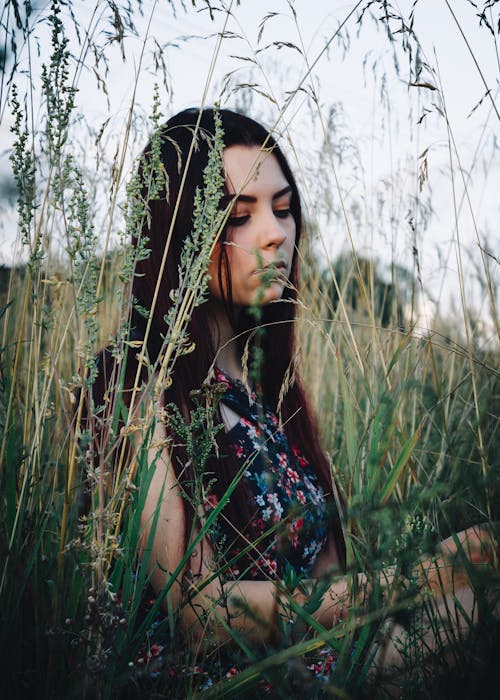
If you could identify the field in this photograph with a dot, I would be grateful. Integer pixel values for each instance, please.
(404, 373)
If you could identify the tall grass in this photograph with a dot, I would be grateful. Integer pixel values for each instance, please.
(408, 401)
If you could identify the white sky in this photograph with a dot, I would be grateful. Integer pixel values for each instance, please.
(388, 142)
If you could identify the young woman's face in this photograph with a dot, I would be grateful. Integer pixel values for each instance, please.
(261, 230)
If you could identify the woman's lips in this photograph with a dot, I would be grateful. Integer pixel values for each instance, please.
(279, 265)
(280, 268)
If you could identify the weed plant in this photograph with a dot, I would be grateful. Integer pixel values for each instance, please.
(408, 406)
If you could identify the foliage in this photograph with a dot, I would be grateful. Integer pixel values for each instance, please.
(408, 407)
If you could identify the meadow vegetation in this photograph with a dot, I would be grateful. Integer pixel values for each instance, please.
(408, 401)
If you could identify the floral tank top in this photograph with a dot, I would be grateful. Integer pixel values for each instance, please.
(291, 521)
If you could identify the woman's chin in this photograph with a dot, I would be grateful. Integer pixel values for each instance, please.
(272, 293)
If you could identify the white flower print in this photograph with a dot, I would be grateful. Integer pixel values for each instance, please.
(266, 513)
(278, 508)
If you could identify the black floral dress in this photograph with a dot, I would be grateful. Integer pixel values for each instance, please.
(290, 526)
(291, 520)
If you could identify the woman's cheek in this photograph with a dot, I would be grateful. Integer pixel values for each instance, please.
(214, 266)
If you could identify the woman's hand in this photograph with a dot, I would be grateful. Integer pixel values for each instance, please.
(449, 570)
(444, 581)
(476, 543)
(335, 604)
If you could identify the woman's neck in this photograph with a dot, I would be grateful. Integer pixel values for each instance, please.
(227, 357)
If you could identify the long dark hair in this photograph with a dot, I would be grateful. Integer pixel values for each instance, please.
(191, 370)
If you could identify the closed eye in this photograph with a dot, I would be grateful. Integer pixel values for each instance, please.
(282, 213)
(237, 220)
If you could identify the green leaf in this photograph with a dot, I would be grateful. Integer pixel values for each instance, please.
(401, 462)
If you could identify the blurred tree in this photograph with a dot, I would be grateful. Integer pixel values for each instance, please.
(387, 299)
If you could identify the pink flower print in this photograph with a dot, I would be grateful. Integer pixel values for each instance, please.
(297, 525)
(315, 668)
(245, 422)
(238, 450)
(300, 458)
(259, 525)
(323, 669)
(329, 661)
(271, 565)
(155, 650)
(221, 378)
(300, 496)
(211, 501)
(282, 459)
(292, 475)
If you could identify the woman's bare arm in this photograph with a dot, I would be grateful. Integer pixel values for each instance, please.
(208, 605)
(163, 510)
(204, 604)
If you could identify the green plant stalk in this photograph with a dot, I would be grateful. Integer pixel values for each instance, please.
(458, 251)
(21, 326)
(181, 318)
(68, 489)
(122, 157)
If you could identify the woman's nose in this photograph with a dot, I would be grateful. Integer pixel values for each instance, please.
(273, 233)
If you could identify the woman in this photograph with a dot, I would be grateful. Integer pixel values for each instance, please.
(273, 436)
(282, 520)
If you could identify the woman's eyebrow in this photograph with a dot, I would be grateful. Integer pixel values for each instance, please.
(282, 192)
(228, 198)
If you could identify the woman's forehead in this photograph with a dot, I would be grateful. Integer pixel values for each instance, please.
(250, 170)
